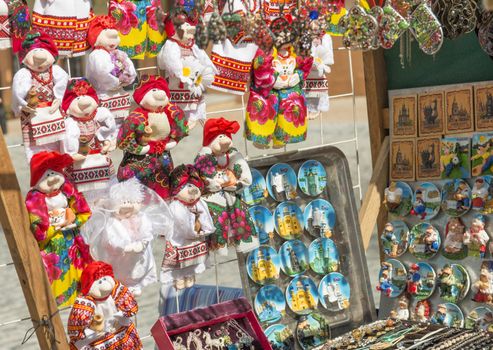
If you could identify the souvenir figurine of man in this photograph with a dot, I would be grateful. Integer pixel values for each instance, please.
(461, 195)
(389, 240)
(419, 205)
(393, 196)
(449, 284)
(440, 316)
(385, 282)
(413, 280)
(479, 194)
(431, 240)
(476, 238)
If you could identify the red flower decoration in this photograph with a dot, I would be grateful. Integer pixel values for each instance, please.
(81, 88)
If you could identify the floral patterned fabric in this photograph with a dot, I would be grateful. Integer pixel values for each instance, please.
(232, 222)
(276, 110)
(151, 168)
(64, 253)
(140, 33)
(81, 316)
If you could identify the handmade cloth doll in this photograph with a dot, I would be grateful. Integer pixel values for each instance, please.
(37, 91)
(225, 173)
(233, 57)
(187, 68)
(57, 212)
(101, 317)
(90, 136)
(109, 69)
(66, 21)
(186, 247)
(122, 228)
(149, 133)
(316, 86)
(276, 109)
(142, 35)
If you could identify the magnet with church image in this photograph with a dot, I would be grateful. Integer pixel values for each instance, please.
(257, 191)
(264, 222)
(288, 219)
(320, 218)
(294, 257)
(302, 295)
(282, 182)
(323, 256)
(263, 265)
(334, 292)
(312, 178)
(270, 305)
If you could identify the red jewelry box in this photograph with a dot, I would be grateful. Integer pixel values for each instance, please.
(183, 322)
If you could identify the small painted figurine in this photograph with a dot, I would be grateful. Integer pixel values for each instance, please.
(476, 238)
(188, 68)
(109, 69)
(393, 196)
(403, 308)
(186, 247)
(90, 136)
(479, 194)
(37, 91)
(413, 280)
(389, 240)
(483, 288)
(148, 135)
(422, 311)
(431, 240)
(449, 284)
(225, 173)
(56, 212)
(440, 316)
(461, 195)
(101, 317)
(385, 282)
(419, 205)
(454, 239)
(122, 229)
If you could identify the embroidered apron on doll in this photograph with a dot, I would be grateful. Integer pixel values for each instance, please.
(109, 69)
(90, 136)
(56, 212)
(140, 31)
(186, 251)
(188, 69)
(149, 133)
(122, 228)
(233, 57)
(66, 21)
(316, 86)
(37, 91)
(225, 173)
(101, 317)
(276, 110)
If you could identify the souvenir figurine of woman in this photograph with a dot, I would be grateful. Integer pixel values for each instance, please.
(102, 316)
(37, 91)
(422, 311)
(479, 193)
(186, 247)
(225, 173)
(56, 212)
(476, 238)
(276, 110)
(483, 288)
(403, 308)
(109, 69)
(454, 239)
(122, 229)
(148, 135)
(188, 69)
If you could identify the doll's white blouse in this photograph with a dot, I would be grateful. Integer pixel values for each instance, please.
(184, 223)
(22, 83)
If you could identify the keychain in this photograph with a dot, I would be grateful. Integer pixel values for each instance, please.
(359, 29)
(457, 16)
(426, 29)
(391, 25)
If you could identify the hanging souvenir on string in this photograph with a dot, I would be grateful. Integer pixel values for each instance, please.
(391, 25)
(426, 29)
(336, 11)
(187, 68)
(37, 91)
(485, 32)
(359, 28)
(216, 29)
(456, 16)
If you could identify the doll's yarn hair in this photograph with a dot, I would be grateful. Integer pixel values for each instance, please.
(127, 191)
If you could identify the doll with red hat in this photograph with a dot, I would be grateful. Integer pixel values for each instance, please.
(186, 248)
(37, 91)
(108, 68)
(187, 68)
(91, 135)
(276, 109)
(66, 21)
(148, 135)
(101, 317)
(56, 212)
(226, 173)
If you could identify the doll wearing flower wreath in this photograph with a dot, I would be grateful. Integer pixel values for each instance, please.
(225, 173)
(56, 212)
(276, 110)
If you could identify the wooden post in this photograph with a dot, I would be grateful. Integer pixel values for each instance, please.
(27, 260)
